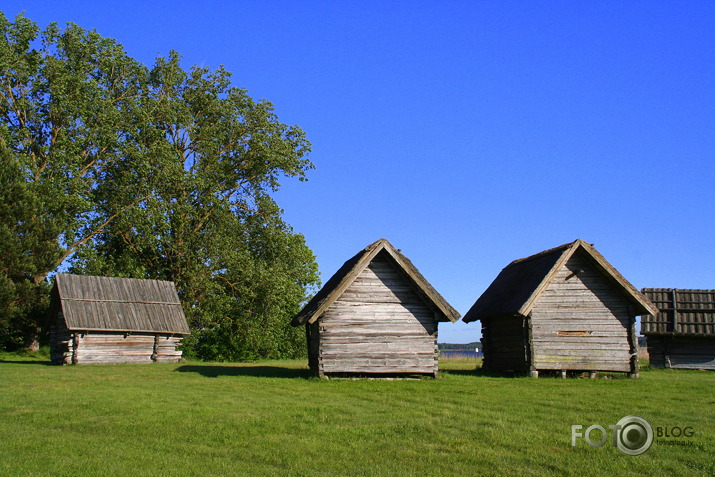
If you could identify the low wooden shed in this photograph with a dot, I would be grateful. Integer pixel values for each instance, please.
(377, 315)
(682, 333)
(105, 320)
(564, 309)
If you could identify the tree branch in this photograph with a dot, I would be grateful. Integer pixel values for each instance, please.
(74, 247)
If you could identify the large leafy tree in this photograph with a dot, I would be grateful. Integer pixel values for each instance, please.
(148, 172)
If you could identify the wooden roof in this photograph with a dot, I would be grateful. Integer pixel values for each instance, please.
(342, 279)
(517, 288)
(681, 312)
(119, 304)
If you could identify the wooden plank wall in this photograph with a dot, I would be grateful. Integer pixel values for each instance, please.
(505, 346)
(684, 352)
(581, 323)
(378, 325)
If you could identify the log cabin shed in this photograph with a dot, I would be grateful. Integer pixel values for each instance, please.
(377, 315)
(564, 309)
(106, 320)
(682, 333)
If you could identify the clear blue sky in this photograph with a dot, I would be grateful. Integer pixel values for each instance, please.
(470, 133)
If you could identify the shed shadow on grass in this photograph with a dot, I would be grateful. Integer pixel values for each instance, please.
(214, 371)
(482, 373)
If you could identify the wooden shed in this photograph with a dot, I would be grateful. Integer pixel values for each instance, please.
(376, 316)
(564, 309)
(104, 320)
(682, 333)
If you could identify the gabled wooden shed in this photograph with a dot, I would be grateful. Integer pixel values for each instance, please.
(104, 320)
(682, 333)
(564, 309)
(376, 315)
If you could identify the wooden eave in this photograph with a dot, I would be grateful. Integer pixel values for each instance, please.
(643, 304)
(345, 276)
(128, 332)
(525, 309)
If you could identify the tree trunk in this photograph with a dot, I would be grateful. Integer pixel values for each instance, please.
(32, 341)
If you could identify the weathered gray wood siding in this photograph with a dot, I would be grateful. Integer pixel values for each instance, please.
(378, 325)
(684, 352)
(581, 323)
(112, 348)
(505, 344)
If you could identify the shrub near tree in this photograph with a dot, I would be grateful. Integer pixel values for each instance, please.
(121, 169)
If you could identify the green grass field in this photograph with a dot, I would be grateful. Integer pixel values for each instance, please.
(273, 418)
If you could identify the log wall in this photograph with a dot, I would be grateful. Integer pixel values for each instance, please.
(378, 325)
(313, 337)
(61, 341)
(582, 323)
(101, 348)
(165, 349)
(95, 347)
(684, 352)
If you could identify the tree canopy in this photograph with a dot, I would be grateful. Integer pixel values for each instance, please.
(111, 167)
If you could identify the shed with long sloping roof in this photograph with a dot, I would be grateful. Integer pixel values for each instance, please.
(682, 333)
(105, 320)
(377, 315)
(564, 309)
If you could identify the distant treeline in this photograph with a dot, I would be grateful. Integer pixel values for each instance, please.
(460, 346)
(478, 344)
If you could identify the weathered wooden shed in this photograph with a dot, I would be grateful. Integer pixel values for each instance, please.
(104, 320)
(376, 315)
(682, 333)
(564, 309)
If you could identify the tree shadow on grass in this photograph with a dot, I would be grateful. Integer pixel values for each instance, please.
(41, 363)
(214, 371)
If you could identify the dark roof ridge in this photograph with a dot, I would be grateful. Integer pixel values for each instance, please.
(543, 253)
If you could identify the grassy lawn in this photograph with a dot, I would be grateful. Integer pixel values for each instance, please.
(272, 417)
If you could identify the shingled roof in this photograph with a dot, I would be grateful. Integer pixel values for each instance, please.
(92, 303)
(342, 279)
(518, 286)
(685, 312)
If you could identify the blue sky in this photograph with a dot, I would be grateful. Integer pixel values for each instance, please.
(469, 133)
